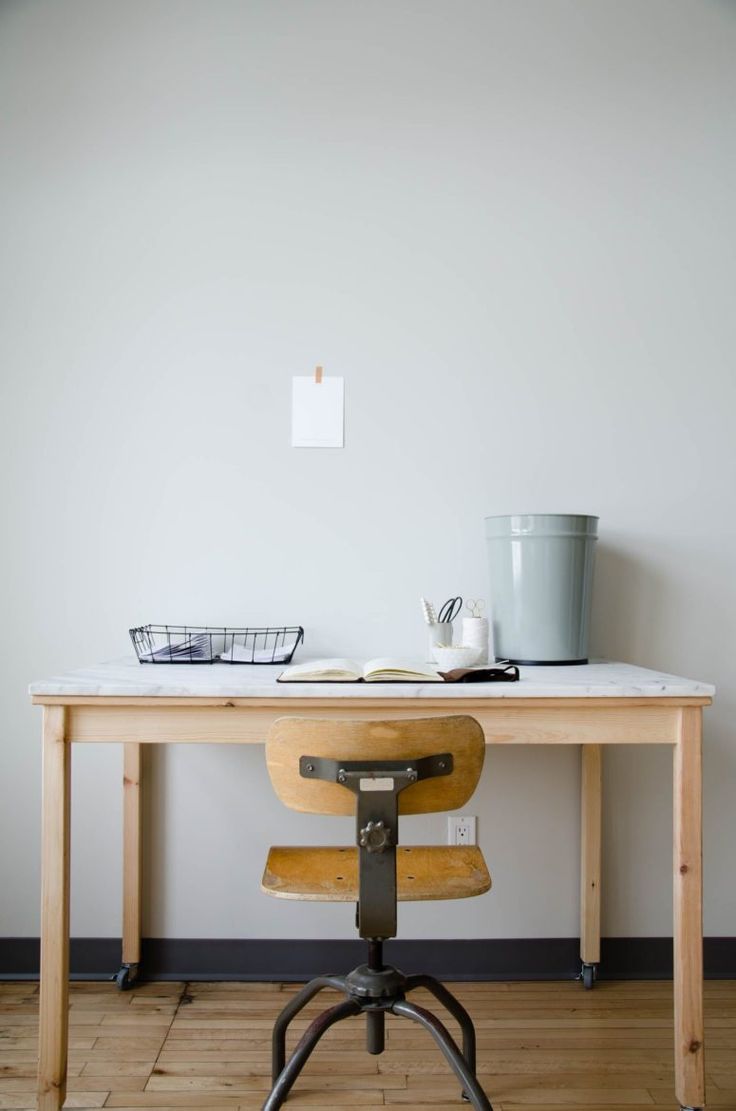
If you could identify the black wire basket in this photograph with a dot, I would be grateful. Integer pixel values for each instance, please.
(209, 644)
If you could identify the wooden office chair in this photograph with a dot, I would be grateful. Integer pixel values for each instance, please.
(377, 770)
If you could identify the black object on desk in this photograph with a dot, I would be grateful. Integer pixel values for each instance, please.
(504, 674)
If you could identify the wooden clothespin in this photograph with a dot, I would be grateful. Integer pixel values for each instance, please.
(318, 375)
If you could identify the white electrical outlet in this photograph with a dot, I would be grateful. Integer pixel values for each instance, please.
(461, 829)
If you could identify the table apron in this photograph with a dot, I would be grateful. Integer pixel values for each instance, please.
(648, 723)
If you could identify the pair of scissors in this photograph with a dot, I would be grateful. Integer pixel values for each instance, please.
(475, 608)
(450, 609)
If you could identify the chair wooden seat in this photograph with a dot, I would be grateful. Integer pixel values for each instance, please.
(330, 875)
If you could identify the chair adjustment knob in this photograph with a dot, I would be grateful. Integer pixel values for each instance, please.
(375, 837)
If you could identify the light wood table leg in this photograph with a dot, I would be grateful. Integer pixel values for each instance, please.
(132, 848)
(54, 990)
(591, 790)
(688, 911)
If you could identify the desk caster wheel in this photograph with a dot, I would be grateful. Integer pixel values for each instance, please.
(126, 977)
(588, 974)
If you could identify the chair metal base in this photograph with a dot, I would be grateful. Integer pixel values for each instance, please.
(374, 989)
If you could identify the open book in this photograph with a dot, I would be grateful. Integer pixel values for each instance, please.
(381, 670)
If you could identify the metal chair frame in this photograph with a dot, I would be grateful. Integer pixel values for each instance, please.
(375, 988)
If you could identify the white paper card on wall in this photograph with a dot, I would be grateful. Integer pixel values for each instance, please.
(317, 412)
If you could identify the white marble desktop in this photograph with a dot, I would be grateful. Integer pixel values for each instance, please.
(600, 679)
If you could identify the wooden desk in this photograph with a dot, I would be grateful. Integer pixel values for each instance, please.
(591, 706)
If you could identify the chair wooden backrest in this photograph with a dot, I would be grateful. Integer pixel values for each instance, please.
(291, 738)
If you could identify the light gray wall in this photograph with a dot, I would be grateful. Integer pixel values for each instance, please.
(510, 226)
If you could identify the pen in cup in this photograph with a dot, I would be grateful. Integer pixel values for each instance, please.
(428, 612)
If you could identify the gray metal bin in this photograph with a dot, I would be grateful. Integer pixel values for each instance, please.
(541, 568)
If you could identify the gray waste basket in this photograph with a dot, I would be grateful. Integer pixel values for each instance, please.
(541, 567)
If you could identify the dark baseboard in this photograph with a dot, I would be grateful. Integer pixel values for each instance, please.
(634, 958)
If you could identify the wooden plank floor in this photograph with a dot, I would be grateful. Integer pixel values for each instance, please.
(542, 1047)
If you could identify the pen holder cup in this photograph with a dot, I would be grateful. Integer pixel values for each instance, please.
(439, 634)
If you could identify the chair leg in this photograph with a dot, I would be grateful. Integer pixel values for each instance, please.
(375, 1031)
(292, 1008)
(456, 1009)
(471, 1088)
(300, 1056)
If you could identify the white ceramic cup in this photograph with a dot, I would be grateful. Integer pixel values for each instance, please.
(439, 633)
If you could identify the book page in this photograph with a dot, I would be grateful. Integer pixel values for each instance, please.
(390, 669)
(328, 671)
